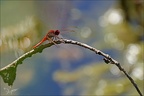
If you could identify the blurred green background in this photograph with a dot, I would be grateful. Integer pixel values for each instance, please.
(112, 26)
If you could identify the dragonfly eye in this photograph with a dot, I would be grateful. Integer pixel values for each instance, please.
(57, 32)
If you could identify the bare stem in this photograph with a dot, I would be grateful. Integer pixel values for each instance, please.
(107, 59)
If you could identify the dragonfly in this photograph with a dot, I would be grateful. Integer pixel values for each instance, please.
(50, 36)
(54, 35)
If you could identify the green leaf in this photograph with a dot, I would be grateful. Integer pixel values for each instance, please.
(9, 74)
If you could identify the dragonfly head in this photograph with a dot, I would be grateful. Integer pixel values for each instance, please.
(57, 32)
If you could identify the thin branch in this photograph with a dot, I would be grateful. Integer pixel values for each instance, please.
(107, 59)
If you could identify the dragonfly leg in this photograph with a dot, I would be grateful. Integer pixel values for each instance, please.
(60, 39)
(51, 40)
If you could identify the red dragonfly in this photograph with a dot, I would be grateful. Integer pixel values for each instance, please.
(51, 35)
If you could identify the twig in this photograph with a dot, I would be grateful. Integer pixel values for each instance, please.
(107, 59)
